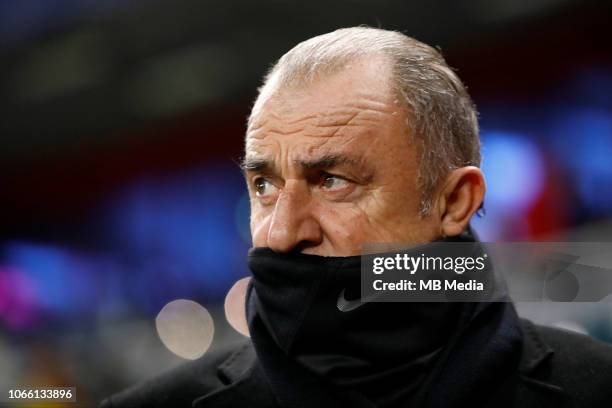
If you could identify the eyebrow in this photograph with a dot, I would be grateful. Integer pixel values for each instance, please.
(324, 162)
(250, 164)
(327, 161)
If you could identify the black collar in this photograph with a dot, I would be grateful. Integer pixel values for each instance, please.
(246, 383)
(531, 385)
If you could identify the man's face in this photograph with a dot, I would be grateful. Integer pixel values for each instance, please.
(332, 166)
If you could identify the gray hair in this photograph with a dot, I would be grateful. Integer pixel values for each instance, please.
(441, 114)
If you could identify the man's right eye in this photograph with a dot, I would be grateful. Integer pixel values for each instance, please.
(262, 186)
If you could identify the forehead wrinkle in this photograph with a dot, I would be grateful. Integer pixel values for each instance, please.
(334, 158)
(260, 149)
(257, 149)
(324, 153)
(326, 124)
(341, 115)
(325, 160)
(281, 110)
(381, 108)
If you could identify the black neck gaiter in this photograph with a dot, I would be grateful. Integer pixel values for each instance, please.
(382, 351)
(314, 351)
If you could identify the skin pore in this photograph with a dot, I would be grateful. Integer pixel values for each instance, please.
(332, 166)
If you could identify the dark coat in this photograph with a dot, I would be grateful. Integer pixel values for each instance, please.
(557, 369)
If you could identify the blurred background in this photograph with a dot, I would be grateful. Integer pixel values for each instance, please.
(121, 123)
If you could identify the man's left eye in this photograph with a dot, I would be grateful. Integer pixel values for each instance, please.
(331, 182)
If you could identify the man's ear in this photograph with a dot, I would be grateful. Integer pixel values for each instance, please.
(460, 197)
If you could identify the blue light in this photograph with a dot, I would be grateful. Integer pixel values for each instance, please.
(64, 283)
(513, 168)
(584, 142)
(179, 234)
(515, 175)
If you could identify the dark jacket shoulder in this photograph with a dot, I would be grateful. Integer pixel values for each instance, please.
(180, 386)
(579, 365)
(558, 368)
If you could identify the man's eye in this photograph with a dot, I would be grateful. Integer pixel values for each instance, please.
(262, 186)
(331, 182)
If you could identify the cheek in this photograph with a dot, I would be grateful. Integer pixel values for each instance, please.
(335, 225)
(399, 221)
(385, 216)
(346, 227)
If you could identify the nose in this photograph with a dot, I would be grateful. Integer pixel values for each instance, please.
(293, 226)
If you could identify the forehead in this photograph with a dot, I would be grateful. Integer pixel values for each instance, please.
(357, 78)
(356, 102)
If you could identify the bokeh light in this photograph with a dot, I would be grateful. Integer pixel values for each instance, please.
(186, 328)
